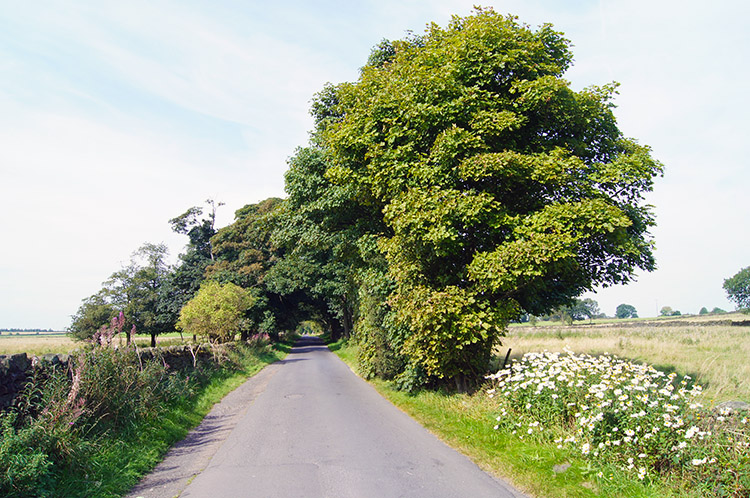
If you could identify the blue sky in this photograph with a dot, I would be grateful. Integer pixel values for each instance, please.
(117, 116)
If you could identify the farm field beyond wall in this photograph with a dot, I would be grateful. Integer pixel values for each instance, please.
(59, 343)
(715, 355)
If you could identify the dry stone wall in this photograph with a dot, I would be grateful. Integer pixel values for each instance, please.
(17, 370)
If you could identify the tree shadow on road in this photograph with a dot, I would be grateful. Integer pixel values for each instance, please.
(308, 344)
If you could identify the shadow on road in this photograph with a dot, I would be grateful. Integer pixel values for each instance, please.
(291, 360)
(307, 344)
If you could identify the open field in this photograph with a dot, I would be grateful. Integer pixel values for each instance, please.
(715, 355)
(58, 342)
(36, 344)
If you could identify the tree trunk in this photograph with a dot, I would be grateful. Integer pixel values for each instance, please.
(462, 384)
(335, 330)
(346, 319)
(347, 327)
(153, 340)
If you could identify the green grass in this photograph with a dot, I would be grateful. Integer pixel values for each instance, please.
(142, 448)
(111, 462)
(714, 355)
(465, 422)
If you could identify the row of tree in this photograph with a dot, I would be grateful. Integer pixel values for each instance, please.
(457, 185)
(148, 290)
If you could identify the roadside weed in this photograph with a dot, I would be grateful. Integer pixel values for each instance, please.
(614, 412)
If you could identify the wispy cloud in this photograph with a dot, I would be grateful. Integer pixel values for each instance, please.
(115, 117)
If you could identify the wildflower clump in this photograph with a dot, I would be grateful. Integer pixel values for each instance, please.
(634, 416)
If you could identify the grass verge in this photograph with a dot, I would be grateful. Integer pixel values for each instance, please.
(79, 453)
(539, 468)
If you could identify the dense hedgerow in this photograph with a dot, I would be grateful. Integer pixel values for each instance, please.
(75, 427)
(615, 412)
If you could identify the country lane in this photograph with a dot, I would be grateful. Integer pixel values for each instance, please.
(309, 427)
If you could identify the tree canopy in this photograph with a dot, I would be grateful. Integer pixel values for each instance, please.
(458, 184)
(216, 311)
(148, 290)
(502, 189)
(626, 311)
(136, 289)
(94, 312)
(737, 288)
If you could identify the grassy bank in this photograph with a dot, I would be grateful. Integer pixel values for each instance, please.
(96, 436)
(465, 422)
(504, 437)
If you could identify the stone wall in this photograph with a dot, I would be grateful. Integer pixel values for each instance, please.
(14, 372)
(17, 369)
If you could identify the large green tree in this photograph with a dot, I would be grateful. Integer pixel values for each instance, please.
(502, 189)
(186, 277)
(243, 250)
(244, 255)
(136, 289)
(319, 226)
(737, 288)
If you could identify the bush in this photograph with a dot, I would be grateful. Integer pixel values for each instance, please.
(24, 458)
(65, 418)
(216, 311)
(635, 417)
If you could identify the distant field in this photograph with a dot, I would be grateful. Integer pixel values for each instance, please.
(58, 342)
(32, 343)
(715, 355)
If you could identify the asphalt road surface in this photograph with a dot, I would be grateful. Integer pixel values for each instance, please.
(309, 427)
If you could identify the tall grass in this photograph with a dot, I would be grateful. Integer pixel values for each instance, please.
(59, 343)
(715, 356)
(33, 344)
(94, 430)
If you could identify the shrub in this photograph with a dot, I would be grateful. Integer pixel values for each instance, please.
(259, 341)
(216, 311)
(24, 459)
(633, 416)
(64, 418)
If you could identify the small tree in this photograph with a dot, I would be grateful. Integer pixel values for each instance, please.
(584, 308)
(703, 311)
(666, 311)
(216, 311)
(137, 290)
(94, 312)
(626, 311)
(738, 288)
